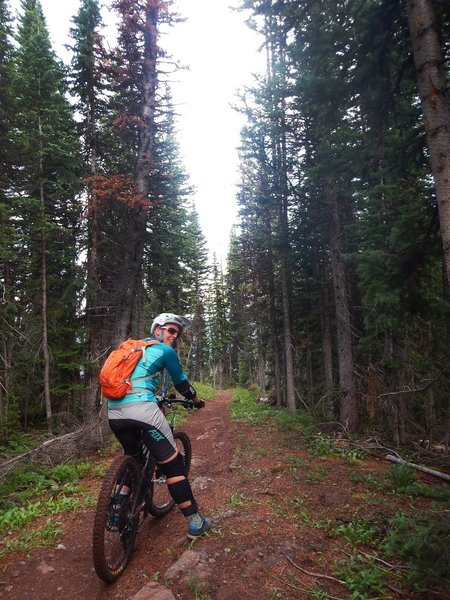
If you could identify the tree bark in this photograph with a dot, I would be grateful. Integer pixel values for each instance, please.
(275, 347)
(93, 308)
(401, 461)
(284, 260)
(349, 416)
(289, 358)
(44, 315)
(325, 331)
(434, 96)
(137, 223)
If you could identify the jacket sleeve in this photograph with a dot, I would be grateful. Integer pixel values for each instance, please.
(186, 389)
(179, 378)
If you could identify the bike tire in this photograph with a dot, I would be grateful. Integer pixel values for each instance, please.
(161, 501)
(112, 543)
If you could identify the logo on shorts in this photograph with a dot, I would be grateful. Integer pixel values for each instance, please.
(156, 435)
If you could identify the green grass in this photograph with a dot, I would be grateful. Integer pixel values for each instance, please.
(34, 493)
(363, 576)
(19, 443)
(199, 589)
(36, 538)
(238, 500)
(403, 480)
(13, 519)
(417, 544)
(177, 415)
(204, 390)
(361, 531)
(244, 405)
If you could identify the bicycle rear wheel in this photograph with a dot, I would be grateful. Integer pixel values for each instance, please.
(162, 502)
(115, 528)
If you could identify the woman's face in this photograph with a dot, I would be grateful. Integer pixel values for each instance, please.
(169, 332)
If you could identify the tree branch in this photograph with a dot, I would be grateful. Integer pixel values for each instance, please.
(319, 575)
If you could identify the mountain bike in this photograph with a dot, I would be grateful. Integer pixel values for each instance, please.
(116, 525)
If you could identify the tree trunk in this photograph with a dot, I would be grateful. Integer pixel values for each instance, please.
(289, 358)
(430, 413)
(432, 77)
(284, 259)
(45, 349)
(276, 70)
(388, 353)
(44, 315)
(447, 326)
(272, 304)
(6, 388)
(261, 377)
(137, 224)
(349, 417)
(326, 335)
(94, 306)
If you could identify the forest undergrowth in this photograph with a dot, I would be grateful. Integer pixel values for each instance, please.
(383, 531)
(387, 550)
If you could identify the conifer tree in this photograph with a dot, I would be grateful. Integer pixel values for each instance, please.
(359, 197)
(129, 169)
(7, 239)
(88, 87)
(432, 78)
(218, 328)
(46, 209)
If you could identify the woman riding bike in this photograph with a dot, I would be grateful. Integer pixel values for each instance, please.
(138, 411)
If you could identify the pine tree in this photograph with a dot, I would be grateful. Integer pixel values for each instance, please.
(88, 86)
(432, 78)
(8, 239)
(46, 208)
(218, 328)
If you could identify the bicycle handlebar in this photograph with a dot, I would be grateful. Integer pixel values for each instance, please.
(168, 401)
(172, 399)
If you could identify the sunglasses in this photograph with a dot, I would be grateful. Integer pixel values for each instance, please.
(172, 331)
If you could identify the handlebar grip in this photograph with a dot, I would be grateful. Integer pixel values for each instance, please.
(200, 404)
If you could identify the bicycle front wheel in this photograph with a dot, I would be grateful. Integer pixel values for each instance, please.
(162, 502)
(116, 523)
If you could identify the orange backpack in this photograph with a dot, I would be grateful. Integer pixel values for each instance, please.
(115, 374)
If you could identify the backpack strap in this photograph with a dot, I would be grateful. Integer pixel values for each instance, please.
(146, 377)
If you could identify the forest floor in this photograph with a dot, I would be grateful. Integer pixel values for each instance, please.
(274, 505)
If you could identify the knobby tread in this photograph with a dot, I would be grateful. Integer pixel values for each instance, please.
(102, 568)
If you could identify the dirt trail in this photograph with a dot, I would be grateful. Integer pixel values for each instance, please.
(66, 570)
(265, 497)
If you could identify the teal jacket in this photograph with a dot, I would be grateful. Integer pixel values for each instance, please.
(148, 375)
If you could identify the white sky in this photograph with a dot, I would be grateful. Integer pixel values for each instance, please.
(222, 53)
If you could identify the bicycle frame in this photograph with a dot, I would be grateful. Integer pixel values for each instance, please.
(147, 462)
(113, 542)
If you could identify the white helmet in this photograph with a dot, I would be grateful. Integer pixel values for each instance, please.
(165, 318)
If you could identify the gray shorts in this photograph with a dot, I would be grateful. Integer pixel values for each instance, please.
(126, 421)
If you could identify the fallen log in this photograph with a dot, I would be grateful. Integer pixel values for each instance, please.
(81, 442)
(401, 461)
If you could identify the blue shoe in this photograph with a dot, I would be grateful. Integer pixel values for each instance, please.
(115, 513)
(195, 531)
(112, 524)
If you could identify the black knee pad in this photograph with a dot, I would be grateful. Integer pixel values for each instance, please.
(174, 468)
(181, 492)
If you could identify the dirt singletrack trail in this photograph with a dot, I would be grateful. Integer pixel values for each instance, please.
(66, 570)
(270, 501)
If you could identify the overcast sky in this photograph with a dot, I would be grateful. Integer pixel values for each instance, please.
(222, 53)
